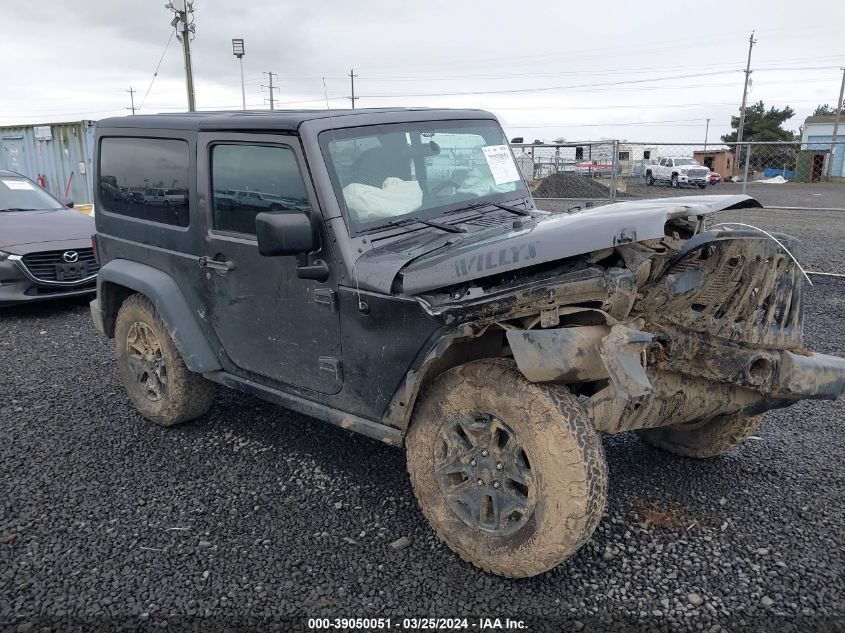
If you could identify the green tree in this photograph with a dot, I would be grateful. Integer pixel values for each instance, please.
(825, 110)
(762, 124)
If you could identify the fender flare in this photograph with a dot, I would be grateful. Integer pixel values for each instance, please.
(164, 292)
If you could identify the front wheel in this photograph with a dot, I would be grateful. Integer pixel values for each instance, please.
(674, 181)
(649, 179)
(702, 439)
(510, 474)
(702, 186)
(159, 384)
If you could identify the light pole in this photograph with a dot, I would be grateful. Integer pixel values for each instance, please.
(238, 51)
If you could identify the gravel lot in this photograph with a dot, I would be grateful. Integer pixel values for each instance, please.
(258, 516)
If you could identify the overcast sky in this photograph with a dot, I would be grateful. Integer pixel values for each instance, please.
(650, 70)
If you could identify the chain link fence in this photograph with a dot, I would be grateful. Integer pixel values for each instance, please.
(611, 170)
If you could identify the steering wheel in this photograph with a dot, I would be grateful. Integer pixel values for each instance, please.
(440, 186)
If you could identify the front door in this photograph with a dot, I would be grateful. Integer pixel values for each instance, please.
(268, 320)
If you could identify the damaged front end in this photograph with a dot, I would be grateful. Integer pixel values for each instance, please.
(684, 328)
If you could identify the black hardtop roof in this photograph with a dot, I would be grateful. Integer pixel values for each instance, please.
(287, 120)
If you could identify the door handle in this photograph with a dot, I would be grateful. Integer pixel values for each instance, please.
(214, 264)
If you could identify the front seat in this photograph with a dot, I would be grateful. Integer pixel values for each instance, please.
(376, 164)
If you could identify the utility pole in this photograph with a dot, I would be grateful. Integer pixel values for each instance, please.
(741, 129)
(131, 99)
(271, 87)
(352, 76)
(706, 133)
(183, 10)
(835, 149)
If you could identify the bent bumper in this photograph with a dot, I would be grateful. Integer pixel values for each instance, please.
(815, 376)
(591, 353)
(646, 387)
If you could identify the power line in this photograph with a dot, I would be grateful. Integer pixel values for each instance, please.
(556, 57)
(631, 123)
(155, 74)
(570, 87)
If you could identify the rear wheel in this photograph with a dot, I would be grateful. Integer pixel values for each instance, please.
(702, 186)
(703, 439)
(510, 474)
(159, 384)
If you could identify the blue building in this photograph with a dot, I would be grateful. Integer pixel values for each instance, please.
(818, 135)
(57, 155)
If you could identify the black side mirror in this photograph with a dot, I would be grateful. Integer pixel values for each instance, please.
(282, 233)
(69, 204)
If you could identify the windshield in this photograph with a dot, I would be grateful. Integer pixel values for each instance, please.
(21, 194)
(411, 170)
(685, 161)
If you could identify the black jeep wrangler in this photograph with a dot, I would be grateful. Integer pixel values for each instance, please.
(388, 272)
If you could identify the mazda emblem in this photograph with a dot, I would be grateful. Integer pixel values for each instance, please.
(70, 256)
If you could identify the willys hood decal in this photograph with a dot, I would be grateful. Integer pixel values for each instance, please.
(451, 259)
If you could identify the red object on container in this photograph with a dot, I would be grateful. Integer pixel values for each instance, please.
(42, 181)
(67, 186)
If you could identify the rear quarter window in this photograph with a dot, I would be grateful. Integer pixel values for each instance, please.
(135, 173)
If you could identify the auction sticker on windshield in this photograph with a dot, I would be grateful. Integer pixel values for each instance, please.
(18, 184)
(500, 162)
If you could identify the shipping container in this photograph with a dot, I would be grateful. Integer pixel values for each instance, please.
(57, 155)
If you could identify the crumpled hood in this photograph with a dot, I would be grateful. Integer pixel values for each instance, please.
(451, 259)
(18, 229)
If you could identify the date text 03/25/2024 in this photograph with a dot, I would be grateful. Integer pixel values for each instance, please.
(417, 624)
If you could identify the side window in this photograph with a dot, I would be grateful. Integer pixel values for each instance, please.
(133, 172)
(263, 178)
(646, 155)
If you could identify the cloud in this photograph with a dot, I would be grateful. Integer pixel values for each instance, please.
(76, 60)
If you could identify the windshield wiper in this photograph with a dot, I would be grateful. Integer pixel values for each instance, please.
(15, 209)
(503, 207)
(437, 225)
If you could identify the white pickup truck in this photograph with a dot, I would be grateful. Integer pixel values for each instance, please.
(676, 172)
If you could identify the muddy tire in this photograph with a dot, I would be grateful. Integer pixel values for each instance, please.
(703, 439)
(540, 464)
(151, 368)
